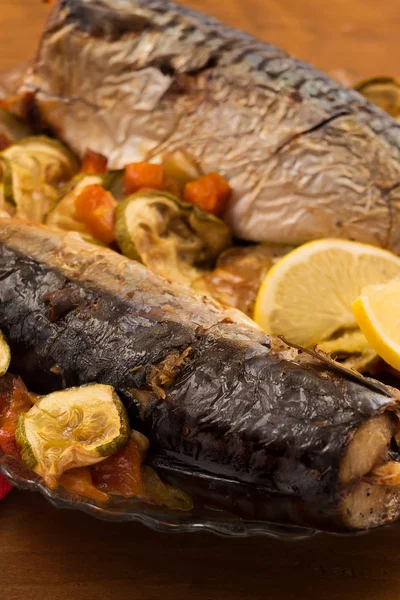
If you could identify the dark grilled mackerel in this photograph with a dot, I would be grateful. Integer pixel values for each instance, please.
(307, 157)
(237, 416)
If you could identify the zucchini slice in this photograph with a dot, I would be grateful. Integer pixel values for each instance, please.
(33, 169)
(76, 427)
(5, 355)
(174, 239)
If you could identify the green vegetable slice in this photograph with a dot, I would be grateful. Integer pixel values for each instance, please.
(113, 181)
(76, 427)
(61, 216)
(174, 239)
(351, 348)
(5, 355)
(179, 168)
(33, 169)
(163, 494)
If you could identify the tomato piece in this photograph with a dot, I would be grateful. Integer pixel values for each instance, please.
(121, 472)
(79, 481)
(14, 399)
(143, 175)
(94, 162)
(210, 192)
(8, 444)
(95, 207)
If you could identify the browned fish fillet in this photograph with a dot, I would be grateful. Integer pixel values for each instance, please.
(306, 157)
(241, 419)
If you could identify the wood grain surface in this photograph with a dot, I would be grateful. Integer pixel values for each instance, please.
(47, 554)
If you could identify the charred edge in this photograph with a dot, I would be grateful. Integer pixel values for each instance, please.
(320, 125)
(373, 385)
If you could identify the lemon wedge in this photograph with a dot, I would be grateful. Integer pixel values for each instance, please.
(377, 311)
(307, 295)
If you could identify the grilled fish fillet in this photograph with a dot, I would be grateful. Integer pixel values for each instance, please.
(233, 415)
(306, 157)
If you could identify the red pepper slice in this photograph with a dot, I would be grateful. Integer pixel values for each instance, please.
(121, 472)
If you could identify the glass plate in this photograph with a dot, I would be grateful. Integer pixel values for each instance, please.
(155, 517)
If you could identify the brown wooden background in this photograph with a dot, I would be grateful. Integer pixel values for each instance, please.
(47, 554)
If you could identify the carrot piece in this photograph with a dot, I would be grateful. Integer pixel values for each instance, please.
(4, 103)
(121, 472)
(210, 192)
(94, 162)
(95, 207)
(143, 175)
(79, 481)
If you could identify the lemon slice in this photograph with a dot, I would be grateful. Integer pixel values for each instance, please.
(307, 295)
(5, 355)
(77, 427)
(377, 312)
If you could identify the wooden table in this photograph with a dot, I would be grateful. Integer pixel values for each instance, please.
(47, 554)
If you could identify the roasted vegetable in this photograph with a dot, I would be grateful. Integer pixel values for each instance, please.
(14, 399)
(12, 128)
(76, 427)
(94, 163)
(306, 157)
(263, 429)
(122, 472)
(79, 481)
(238, 275)
(62, 214)
(33, 169)
(382, 91)
(5, 355)
(172, 238)
(179, 169)
(210, 192)
(143, 176)
(95, 208)
(351, 349)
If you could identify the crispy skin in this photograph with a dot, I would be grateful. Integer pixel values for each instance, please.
(307, 157)
(262, 426)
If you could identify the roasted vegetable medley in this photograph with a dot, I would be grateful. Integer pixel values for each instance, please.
(80, 439)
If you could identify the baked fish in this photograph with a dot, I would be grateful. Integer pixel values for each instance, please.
(306, 157)
(264, 429)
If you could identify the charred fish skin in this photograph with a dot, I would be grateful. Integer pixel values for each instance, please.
(264, 426)
(307, 157)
